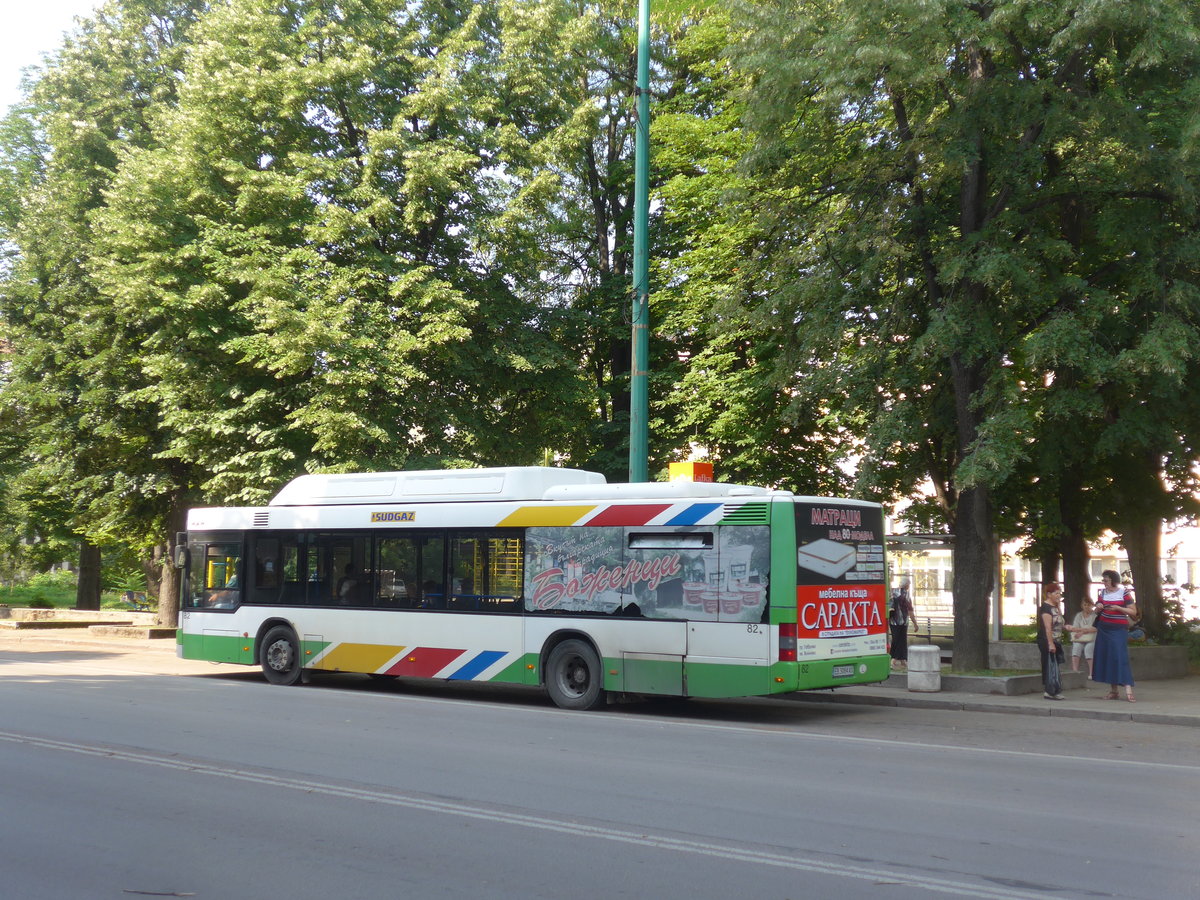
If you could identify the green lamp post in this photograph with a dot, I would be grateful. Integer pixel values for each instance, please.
(639, 398)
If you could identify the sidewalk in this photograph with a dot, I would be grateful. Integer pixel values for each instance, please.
(1165, 701)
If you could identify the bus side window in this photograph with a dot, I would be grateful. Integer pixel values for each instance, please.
(266, 563)
(433, 572)
(396, 563)
(344, 569)
(292, 593)
(272, 557)
(466, 568)
(316, 579)
(487, 572)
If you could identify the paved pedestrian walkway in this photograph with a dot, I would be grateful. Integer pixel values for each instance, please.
(1167, 701)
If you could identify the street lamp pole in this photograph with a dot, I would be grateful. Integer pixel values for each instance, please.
(639, 398)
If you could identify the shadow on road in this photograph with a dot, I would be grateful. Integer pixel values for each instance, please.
(746, 710)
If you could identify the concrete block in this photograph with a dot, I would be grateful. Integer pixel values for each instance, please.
(924, 668)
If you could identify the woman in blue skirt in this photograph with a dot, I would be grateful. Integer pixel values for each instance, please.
(1115, 608)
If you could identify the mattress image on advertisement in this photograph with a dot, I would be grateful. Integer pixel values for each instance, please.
(826, 557)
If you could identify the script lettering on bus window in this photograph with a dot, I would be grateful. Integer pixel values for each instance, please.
(716, 575)
(574, 569)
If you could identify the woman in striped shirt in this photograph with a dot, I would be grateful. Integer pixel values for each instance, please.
(1115, 609)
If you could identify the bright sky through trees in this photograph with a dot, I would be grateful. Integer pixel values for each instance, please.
(31, 30)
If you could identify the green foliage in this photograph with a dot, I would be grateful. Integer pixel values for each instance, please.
(128, 579)
(1024, 634)
(83, 452)
(57, 579)
(1179, 630)
(724, 375)
(1186, 635)
(893, 244)
(981, 224)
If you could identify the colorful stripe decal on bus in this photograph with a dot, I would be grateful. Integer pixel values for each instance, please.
(545, 515)
(638, 514)
(694, 514)
(616, 514)
(350, 657)
(424, 662)
(477, 666)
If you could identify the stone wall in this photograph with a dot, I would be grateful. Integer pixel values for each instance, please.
(1149, 661)
(26, 614)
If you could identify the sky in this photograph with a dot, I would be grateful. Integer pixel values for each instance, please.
(28, 29)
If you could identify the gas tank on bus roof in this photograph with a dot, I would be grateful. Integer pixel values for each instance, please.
(432, 485)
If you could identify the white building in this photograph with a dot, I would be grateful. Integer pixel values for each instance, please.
(927, 563)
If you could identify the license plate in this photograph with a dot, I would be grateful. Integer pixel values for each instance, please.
(843, 671)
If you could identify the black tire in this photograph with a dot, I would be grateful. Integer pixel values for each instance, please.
(574, 677)
(279, 656)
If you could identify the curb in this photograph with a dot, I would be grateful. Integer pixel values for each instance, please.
(1008, 709)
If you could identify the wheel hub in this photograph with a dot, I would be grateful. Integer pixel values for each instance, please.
(279, 656)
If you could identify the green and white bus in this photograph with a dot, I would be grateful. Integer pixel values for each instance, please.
(541, 576)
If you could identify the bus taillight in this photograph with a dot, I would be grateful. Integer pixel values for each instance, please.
(787, 642)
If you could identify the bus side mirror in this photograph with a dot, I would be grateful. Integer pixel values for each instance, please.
(180, 558)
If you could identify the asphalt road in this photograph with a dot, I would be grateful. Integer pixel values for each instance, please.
(126, 775)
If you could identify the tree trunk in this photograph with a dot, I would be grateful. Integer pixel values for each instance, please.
(152, 569)
(1049, 565)
(975, 544)
(976, 549)
(974, 557)
(1141, 542)
(1077, 576)
(87, 589)
(168, 595)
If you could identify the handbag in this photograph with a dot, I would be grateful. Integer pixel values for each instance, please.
(1053, 679)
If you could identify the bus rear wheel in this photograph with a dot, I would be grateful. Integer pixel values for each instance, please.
(279, 656)
(574, 679)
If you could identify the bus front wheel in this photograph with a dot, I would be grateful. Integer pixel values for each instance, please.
(280, 656)
(574, 678)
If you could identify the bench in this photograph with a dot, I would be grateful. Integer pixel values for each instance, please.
(929, 625)
(136, 601)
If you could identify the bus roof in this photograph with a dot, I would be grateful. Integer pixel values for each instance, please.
(512, 483)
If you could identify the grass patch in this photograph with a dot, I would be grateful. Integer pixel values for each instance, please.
(1022, 634)
(47, 596)
(54, 597)
(56, 590)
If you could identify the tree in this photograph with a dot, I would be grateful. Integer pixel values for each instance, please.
(83, 456)
(315, 259)
(923, 162)
(722, 368)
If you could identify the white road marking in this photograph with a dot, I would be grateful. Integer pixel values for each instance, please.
(499, 816)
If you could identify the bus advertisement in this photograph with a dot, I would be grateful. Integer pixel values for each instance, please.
(541, 576)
